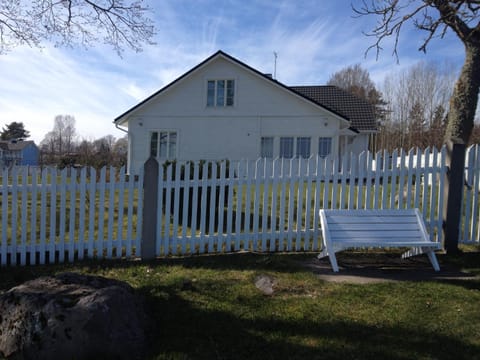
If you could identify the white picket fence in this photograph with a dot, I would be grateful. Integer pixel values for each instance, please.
(262, 205)
(49, 217)
(272, 205)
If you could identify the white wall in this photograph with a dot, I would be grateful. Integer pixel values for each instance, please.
(261, 109)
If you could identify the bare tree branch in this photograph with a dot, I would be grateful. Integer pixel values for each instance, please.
(119, 23)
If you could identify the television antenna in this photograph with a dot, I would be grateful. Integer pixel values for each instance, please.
(275, 55)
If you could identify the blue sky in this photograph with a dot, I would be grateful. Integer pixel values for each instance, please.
(313, 39)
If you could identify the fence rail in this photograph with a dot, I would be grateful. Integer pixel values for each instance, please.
(264, 205)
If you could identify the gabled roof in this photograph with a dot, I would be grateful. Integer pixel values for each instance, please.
(15, 145)
(360, 113)
(220, 53)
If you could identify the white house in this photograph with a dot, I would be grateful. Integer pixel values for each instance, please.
(225, 109)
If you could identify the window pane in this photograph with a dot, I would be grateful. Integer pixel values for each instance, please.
(266, 147)
(286, 147)
(230, 92)
(324, 146)
(154, 144)
(211, 93)
(220, 93)
(303, 147)
(172, 145)
(163, 145)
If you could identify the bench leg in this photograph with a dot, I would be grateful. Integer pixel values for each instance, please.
(433, 259)
(333, 261)
(420, 250)
(331, 256)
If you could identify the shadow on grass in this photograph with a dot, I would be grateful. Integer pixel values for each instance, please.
(185, 331)
(462, 269)
(194, 321)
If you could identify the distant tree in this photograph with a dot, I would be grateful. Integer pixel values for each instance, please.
(416, 126)
(120, 152)
(14, 130)
(357, 81)
(86, 153)
(437, 127)
(104, 151)
(428, 84)
(61, 140)
(117, 23)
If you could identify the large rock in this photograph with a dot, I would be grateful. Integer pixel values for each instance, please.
(71, 316)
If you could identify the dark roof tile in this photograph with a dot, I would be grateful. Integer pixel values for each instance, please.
(360, 113)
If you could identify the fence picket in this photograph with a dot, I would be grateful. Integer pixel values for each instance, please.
(72, 217)
(433, 189)
(82, 213)
(291, 197)
(441, 193)
(91, 214)
(121, 195)
(33, 219)
(14, 202)
(4, 245)
(168, 208)
(24, 216)
(230, 205)
(402, 174)
(410, 179)
(475, 171)
(138, 225)
(194, 206)
(239, 204)
(360, 180)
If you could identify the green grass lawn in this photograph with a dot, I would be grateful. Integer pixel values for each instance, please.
(207, 307)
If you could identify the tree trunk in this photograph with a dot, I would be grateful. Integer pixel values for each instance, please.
(460, 124)
(463, 103)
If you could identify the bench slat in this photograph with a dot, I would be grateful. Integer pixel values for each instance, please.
(373, 227)
(358, 235)
(389, 244)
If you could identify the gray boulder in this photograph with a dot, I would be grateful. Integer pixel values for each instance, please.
(71, 316)
(265, 284)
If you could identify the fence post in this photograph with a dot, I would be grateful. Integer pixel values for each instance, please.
(150, 207)
(453, 194)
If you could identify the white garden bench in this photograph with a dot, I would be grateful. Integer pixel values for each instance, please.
(344, 229)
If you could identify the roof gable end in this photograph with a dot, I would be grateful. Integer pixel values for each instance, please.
(220, 54)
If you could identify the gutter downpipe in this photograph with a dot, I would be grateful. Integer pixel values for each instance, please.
(119, 128)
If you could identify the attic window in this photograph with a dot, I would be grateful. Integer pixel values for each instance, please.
(220, 93)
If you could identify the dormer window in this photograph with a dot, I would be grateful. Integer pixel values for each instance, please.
(220, 93)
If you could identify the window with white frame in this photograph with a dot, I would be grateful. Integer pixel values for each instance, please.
(303, 147)
(220, 93)
(286, 147)
(324, 146)
(266, 147)
(163, 144)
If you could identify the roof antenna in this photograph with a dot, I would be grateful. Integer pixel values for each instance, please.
(275, 65)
